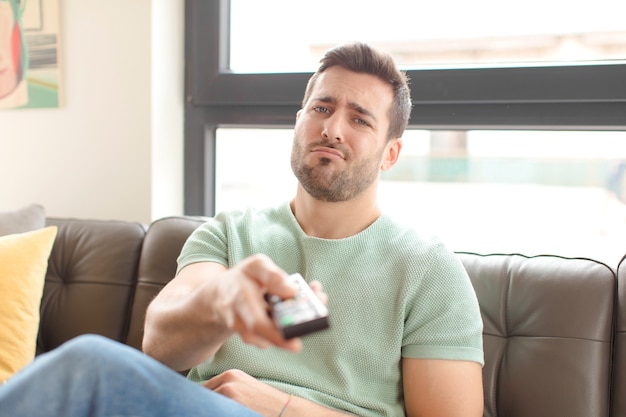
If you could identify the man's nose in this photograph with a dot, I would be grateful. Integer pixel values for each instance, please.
(333, 128)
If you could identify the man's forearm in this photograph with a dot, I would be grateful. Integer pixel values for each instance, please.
(304, 408)
(177, 335)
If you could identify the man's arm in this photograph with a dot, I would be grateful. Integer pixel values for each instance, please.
(264, 399)
(442, 388)
(206, 303)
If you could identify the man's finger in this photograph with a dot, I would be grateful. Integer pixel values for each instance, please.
(268, 276)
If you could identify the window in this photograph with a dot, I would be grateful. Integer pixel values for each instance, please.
(444, 33)
(507, 191)
(545, 123)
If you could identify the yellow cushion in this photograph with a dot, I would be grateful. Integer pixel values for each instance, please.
(23, 265)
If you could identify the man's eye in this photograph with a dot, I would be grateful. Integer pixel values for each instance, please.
(362, 122)
(321, 109)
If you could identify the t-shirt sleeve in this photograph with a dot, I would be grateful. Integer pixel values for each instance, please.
(443, 318)
(208, 243)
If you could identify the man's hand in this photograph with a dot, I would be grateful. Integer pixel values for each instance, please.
(206, 303)
(246, 390)
(238, 302)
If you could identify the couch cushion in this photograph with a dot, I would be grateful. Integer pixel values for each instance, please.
(619, 359)
(547, 334)
(91, 280)
(23, 264)
(162, 245)
(24, 219)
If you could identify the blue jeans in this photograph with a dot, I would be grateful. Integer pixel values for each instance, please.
(94, 376)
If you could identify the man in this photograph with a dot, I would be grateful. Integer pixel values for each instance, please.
(406, 333)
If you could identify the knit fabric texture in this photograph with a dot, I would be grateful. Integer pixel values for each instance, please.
(391, 294)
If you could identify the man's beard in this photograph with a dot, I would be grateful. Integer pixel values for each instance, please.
(337, 186)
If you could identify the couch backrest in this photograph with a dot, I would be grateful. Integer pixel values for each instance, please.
(619, 359)
(548, 325)
(548, 321)
(162, 245)
(90, 280)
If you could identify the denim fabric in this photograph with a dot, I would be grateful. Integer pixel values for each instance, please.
(96, 377)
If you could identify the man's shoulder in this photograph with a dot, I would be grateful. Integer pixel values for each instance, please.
(414, 246)
(404, 232)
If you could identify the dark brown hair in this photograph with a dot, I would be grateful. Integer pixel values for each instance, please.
(362, 58)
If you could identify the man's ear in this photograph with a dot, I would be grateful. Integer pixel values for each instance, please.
(391, 154)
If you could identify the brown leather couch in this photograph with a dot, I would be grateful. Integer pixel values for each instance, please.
(554, 328)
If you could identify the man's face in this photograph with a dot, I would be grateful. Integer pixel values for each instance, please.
(8, 67)
(340, 137)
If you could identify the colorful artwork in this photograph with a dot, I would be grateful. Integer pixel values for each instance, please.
(29, 70)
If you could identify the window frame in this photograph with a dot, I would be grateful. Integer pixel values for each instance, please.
(582, 96)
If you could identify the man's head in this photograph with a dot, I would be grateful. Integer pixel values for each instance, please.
(355, 110)
(362, 58)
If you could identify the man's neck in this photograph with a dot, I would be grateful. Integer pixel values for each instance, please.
(334, 220)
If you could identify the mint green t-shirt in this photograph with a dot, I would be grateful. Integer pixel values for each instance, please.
(391, 294)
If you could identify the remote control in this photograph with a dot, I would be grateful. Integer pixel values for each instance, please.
(301, 315)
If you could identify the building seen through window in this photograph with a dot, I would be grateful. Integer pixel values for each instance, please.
(435, 34)
(515, 191)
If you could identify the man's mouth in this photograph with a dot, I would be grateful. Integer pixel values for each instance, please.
(328, 151)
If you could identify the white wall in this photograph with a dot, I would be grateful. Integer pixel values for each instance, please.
(167, 107)
(113, 150)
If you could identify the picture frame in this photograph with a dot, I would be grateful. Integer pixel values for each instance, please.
(29, 54)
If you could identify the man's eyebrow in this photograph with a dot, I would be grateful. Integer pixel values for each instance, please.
(325, 99)
(352, 105)
(362, 110)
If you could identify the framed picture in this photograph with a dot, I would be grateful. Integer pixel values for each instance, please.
(29, 58)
